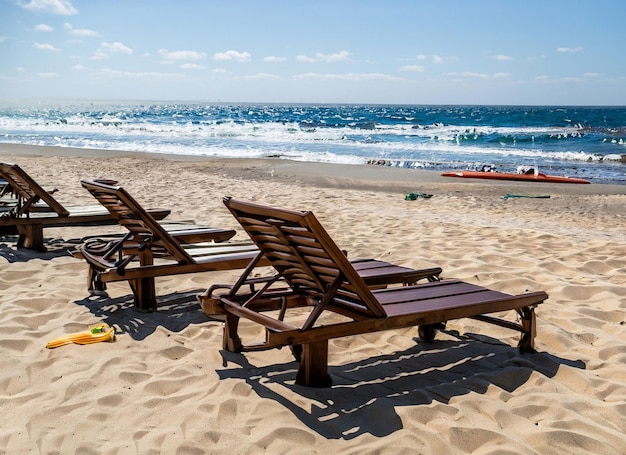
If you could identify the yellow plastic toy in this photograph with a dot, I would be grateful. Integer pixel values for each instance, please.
(95, 334)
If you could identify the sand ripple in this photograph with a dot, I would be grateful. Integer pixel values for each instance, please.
(164, 386)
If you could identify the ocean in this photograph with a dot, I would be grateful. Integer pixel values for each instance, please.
(586, 142)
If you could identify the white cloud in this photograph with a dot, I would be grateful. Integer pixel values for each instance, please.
(559, 80)
(260, 76)
(304, 58)
(116, 47)
(48, 75)
(274, 59)
(437, 59)
(590, 74)
(220, 71)
(192, 66)
(60, 7)
(348, 76)
(106, 49)
(233, 55)
(421, 57)
(79, 32)
(502, 75)
(140, 75)
(569, 49)
(84, 32)
(327, 58)
(181, 55)
(3, 39)
(78, 67)
(44, 28)
(413, 68)
(502, 57)
(46, 47)
(470, 74)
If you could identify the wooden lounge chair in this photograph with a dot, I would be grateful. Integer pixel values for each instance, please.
(151, 249)
(35, 208)
(320, 277)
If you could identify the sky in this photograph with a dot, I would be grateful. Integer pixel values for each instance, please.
(531, 52)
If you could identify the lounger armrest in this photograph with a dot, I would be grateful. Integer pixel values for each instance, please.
(269, 323)
(159, 214)
(96, 262)
(204, 234)
(101, 263)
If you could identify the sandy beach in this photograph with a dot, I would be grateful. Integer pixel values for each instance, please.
(164, 385)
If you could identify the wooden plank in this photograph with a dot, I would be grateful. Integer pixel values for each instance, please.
(460, 306)
(47, 220)
(202, 234)
(208, 249)
(426, 291)
(211, 264)
(396, 274)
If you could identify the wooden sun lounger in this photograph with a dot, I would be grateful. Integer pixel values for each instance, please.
(35, 208)
(319, 276)
(151, 249)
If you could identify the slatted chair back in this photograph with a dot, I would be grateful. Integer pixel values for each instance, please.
(300, 249)
(28, 190)
(130, 214)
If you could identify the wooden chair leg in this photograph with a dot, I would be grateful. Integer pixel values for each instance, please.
(94, 284)
(145, 293)
(30, 236)
(529, 330)
(231, 340)
(313, 371)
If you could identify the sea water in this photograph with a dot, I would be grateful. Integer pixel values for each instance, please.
(587, 142)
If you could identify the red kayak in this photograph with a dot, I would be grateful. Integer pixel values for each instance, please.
(539, 177)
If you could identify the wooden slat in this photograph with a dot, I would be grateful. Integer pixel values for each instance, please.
(425, 291)
(55, 220)
(466, 305)
(204, 253)
(213, 263)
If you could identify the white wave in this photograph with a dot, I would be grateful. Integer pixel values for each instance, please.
(195, 130)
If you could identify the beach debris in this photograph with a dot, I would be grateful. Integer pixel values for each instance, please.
(95, 334)
(514, 196)
(415, 196)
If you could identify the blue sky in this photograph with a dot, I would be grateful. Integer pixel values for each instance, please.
(340, 51)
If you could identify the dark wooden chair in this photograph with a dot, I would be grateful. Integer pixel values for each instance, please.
(151, 249)
(339, 302)
(34, 208)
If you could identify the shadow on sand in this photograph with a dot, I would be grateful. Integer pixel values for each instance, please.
(54, 248)
(365, 393)
(175, 312)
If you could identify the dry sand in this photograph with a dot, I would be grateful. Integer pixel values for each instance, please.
(164, 386)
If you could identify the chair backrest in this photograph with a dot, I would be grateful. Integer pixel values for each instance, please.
(28, 190)
(300, 249)
(130, 214)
